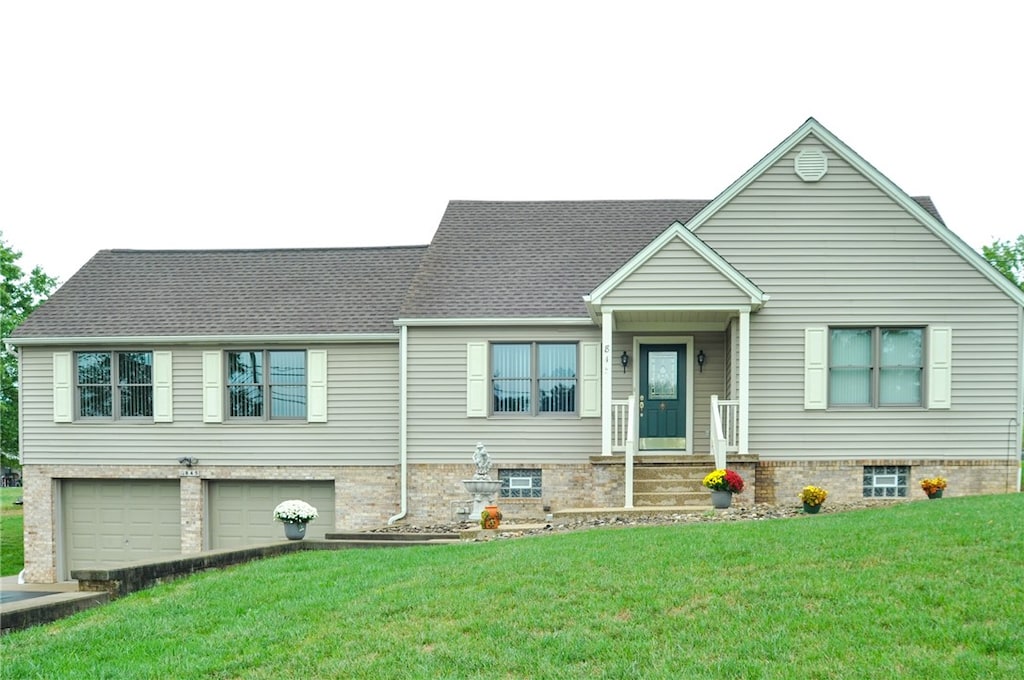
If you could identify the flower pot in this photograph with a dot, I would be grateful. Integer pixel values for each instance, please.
(490, 517)
(935, 494)
(811, 509)
(720, 500)
(295, 531)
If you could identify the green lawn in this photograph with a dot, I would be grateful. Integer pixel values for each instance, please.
(12, 547)
(926, 589)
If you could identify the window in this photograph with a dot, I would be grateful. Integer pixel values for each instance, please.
(520, 483)
(532, 378)
(875, 366)
(114, 384)
(257, 378)
(886, 481)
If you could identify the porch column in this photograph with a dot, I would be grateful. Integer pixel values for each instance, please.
(606, 383)
(744, 386)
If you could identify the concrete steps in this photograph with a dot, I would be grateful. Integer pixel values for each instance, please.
(671, 482)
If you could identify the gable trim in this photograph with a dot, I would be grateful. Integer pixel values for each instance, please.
(706, 252)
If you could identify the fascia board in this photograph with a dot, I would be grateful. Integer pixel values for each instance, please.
(138, 340)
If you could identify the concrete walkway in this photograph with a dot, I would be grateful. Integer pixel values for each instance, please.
(28, 604)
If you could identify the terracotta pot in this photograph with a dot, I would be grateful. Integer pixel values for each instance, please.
(490, 517)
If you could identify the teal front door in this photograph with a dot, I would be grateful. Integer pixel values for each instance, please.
(662, 401)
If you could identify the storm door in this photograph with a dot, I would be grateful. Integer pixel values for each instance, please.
(662, 397)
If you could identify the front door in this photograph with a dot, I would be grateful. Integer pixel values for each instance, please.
(662, 402)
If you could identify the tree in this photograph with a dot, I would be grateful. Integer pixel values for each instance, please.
(19, 295)
(1008, 258)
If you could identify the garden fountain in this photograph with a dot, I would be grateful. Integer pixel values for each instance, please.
(482, 487)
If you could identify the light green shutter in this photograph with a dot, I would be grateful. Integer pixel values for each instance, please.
(63, 388)
(815, 368)
(476, 380)
(316, 371)
(213, 388)
(940, 367)
(163, 403)
(590, 380)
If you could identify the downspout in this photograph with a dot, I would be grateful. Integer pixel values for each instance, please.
(1018, 443)
(403, 402)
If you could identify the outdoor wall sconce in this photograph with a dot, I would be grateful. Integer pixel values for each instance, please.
(701, 358)
(188, 461)
(624, 360)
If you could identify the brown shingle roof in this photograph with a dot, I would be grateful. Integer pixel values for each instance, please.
(531, 258)
(229, 292)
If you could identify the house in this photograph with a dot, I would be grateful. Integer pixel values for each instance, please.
(811, 324)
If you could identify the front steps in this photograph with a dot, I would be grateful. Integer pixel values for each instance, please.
(672, 482)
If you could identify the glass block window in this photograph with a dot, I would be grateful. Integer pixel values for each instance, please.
(886, 481)
(520, 483)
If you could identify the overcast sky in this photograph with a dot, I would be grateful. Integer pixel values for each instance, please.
(299, 124)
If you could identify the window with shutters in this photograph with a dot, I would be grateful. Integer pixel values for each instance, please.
(875, 367)
(266, 384)
(114, 384)
(533, 378)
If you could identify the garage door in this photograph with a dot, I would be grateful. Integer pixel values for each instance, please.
(242, 512)
(108, 522)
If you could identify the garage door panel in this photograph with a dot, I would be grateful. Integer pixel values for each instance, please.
(241, 513)
(111, 522)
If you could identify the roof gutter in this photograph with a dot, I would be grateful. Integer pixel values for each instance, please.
(121, 340)
(403, 410)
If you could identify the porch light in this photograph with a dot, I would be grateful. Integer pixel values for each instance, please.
(701, 358)
(624, 360)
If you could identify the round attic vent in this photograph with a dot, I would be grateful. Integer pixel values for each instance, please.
(811, 165)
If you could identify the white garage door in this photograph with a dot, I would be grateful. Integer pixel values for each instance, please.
(108, 522)
(242, 512)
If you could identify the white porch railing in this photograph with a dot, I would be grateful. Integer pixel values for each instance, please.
(725, 421)
(624, 438)
(622, 413)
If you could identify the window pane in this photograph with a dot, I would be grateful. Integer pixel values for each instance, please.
(849, 375)
(95, 385)
(287, 384)
(510, 373)
(245, 368)
(557, 377)
(899, 379)
(135, 379)
(288, 401)
(95, 401)
(287, 368)
(245, 401)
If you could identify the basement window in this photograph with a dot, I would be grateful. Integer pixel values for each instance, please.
(520, 483)
(886, 481)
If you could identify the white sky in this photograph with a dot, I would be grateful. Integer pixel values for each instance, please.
(296, 124)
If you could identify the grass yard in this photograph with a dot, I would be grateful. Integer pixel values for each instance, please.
(12, 546)
(922, 589)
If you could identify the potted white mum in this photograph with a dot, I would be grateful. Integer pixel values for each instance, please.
(295, 514)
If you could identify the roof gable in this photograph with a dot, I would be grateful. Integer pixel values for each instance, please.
(921, 209)
(714, 267)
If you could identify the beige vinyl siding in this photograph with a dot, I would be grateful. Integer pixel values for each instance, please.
(841, 252)
(676, 275)
(439, 430)
(361, 427)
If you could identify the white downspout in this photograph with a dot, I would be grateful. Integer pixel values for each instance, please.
(403, 402)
